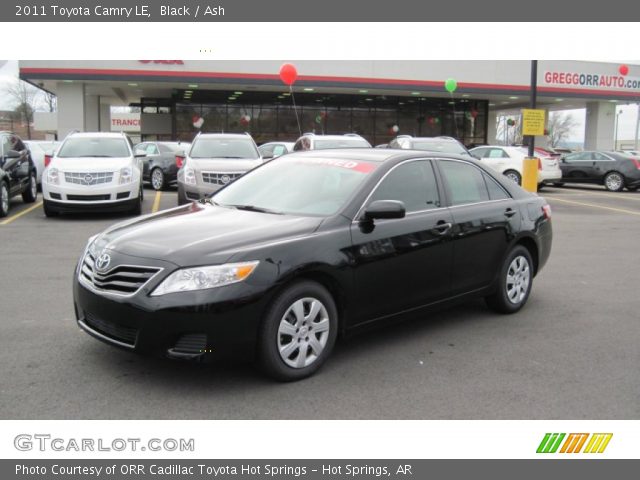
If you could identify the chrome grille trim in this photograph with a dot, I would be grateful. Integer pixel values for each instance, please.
(88, 178)
(216, 178)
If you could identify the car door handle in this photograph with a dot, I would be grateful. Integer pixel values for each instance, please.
(509, 212)
(442, 228)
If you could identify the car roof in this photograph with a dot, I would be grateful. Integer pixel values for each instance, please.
(97, 134)
(373, 154)
(223, 135)
(347, 136)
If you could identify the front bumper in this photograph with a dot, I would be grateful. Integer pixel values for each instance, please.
(90, 195)
(199, 326)
(549, 176)
(72, 207)
(193, 193)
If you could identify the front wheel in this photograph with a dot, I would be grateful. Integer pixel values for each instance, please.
(514, 284)
(514, 176)
(137, 209)
(31, 193)
(298, 332)
(4, 200)
(614, 181)
(48, 211)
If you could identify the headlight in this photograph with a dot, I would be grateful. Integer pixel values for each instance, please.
(200, 278)
(53, 177)
(189, 176)
(126, 174)
(91, 244)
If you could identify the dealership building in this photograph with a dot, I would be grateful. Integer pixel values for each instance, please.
(377, 99)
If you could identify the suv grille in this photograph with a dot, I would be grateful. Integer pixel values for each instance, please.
(113, 330)
(122, 279)
(219, 178)
(88, 178)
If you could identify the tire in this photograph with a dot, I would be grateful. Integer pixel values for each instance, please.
(512, 293)
(614, 181)
(182, 198)
(284, 330)
(632, 189)
(137, 209)
(513, 175)
(541, 186)
(158, 181)
(4, 199)
(558, 184)
(48, 211)
(31, 193)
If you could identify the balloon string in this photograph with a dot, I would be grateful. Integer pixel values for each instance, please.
(295, 109)
(455, 120)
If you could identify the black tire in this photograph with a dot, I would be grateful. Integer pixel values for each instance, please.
(157, 179)
(270, 336)
(137, 209)
(31, 193)
(182, 198)
(614, 181)
(632, 189)
(513, 175)
(541, 186)
(4, 199)
(48, 211)
(558, 184)
(500, 301)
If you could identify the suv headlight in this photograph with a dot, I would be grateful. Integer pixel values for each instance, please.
(126, 175)
(189, 176)
(200, 278)
(53, 176)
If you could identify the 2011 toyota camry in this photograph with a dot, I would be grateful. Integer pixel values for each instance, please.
(308, 247)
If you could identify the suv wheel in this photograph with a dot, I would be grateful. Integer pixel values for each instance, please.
(514, 284)
(514, 176)
(4, 199)
(48, 211)
(137, 209)
(298, 332)
(31, 193)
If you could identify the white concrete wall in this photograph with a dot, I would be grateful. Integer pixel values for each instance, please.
(70, 108)
(599, 126)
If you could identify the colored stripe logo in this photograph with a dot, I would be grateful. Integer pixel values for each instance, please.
(574, 443)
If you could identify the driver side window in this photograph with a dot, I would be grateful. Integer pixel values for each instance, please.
(412, 183)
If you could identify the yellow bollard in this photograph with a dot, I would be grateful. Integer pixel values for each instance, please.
(530, 174)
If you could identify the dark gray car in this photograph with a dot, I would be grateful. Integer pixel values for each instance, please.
(159, 164)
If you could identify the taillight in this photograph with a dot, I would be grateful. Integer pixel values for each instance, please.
(546, 210)
(636, 162)
(47, 160)
(179, 161)
(539, 164)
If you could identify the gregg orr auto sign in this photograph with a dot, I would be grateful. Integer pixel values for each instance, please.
(595, 81)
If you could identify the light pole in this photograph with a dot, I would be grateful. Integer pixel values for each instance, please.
(615, 131)
(637, 126)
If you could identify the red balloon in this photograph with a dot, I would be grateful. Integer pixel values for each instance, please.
(624, 70)
(288, 74)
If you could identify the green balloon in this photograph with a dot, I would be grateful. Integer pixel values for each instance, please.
(450, 85)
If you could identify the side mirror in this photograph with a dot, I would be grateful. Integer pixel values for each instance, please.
(381, 209)
(140, 155)
(12, 154)
(267, 157)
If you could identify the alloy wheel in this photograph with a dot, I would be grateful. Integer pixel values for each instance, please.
(518, 279)
(34, 186)
(157, 179)
(513, 177)
(613, 182)
(4, 198)
(303, 332)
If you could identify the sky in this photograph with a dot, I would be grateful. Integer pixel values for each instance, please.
(626, 120)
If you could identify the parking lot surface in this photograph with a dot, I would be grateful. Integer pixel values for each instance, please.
(572, 352)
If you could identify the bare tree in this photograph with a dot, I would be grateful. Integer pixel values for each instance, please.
(560, 126)
(51, 101)
(25, 97)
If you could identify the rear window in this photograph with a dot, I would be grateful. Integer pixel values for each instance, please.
(342, 143)
(439, 146)
(96, 147)
(224, 148)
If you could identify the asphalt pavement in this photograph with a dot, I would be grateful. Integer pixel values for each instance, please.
(572, 353)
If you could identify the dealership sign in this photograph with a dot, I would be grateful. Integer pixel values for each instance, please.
(594, 81)
(125, 122)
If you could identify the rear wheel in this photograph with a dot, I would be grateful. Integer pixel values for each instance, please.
(514, 284)
(614, 181)
(4, 199)
(48, 211)
(514, 176)
(157, 179)
(31, 193)
(298, 332)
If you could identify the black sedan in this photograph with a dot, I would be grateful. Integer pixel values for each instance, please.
(159, 165)
(309, 247)
(614, 170)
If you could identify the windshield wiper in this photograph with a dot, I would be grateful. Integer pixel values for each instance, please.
(253, 208)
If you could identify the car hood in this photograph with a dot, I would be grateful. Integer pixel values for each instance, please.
(81, 164)
(199, 234)
(223, 165)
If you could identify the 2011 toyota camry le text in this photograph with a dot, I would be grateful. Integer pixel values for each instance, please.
(309, 247)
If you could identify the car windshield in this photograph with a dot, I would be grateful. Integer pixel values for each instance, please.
(97, 147)
(176, 146)
(297, 186)
(438, 146)
(224, 148)
(341, 143)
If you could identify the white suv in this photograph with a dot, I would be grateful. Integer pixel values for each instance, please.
(508, 161)
(93, 171)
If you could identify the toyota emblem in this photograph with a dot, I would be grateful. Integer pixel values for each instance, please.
(103, 261)
(225, 179)
(88, 178)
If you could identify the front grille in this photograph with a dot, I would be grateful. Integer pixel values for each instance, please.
(113, 330)
(219, 178)
(88, 178)
(121, 279)
(191, 343)
(88, 198)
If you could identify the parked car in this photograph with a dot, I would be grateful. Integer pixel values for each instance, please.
(429, 144)
(508, 161)
(311, 141)
(159, 162)
(275, 149)
(614, 170)
(38, 149)
(93, 172)
(308, 247)
(635, 153)
(17, 172)
(214, 160)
